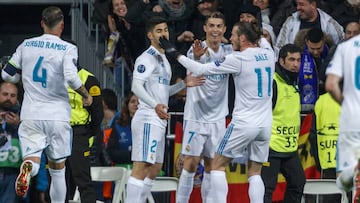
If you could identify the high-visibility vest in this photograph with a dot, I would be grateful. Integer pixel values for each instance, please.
(79, 115)
(327, 112)
(286, 118)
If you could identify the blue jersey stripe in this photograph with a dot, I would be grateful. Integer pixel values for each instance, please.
(146, 140)
(225, 139)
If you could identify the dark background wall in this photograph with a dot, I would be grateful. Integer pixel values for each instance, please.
(18, 22)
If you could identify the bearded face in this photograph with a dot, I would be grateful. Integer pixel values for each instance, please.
(8, 95)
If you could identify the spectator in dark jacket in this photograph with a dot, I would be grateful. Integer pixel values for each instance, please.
(120, 141)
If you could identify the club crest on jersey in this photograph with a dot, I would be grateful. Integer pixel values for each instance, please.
(141, 68)
(218, 62)
(187, 148)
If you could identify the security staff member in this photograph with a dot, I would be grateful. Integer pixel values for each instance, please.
(283, 155)
(86, 124)
(325, 130)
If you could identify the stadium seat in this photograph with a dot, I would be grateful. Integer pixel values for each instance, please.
(163, 184)
(323, 187)
(104, 174)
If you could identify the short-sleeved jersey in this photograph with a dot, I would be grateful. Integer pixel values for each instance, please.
(253, 71)
(153, 68)
(346, 64)
(48, 66)
(209, 102)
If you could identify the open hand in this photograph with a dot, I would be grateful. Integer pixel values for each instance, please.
(198, 49)
(192, 81)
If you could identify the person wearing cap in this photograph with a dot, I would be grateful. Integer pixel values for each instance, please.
(203, 9)
(249, 13)
(269, 35)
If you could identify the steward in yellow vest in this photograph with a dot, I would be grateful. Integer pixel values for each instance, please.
(283, 156)
(86, 124)
(324, 134)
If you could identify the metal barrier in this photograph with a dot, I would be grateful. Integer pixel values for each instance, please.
(91, 51)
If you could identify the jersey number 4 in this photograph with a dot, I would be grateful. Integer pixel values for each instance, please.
(40, 76)
(258, 72)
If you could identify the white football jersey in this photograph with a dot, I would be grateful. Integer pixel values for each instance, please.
(153, 68)
(253, 71)
(346, 64)
(48, 66)
(209, 102)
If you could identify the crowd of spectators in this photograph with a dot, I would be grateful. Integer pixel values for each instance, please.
(283, 21)
(124, 24)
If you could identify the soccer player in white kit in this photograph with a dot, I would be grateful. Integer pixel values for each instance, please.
(345, 66)
(151, 84)
(47, 65)
(253, 70)
(205, 109)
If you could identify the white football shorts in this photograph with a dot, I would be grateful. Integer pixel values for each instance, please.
(347, 145)
(202, 138)
(55, 137)
(148, 142)
(237, 140)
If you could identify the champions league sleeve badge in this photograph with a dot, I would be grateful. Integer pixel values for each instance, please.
(141, 68)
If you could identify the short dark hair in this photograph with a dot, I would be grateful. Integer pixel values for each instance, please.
(251, 30)
(288, 48)
(314, 35)
(110, 98)
(52, 15)
(153, 21)
(216, 14)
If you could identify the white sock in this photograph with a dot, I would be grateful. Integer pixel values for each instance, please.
(256, 189)
(133, 190)
(57, 185)
(345, 179)
(148, 183)
(186, 184)
(205, 186)
(218, 189)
